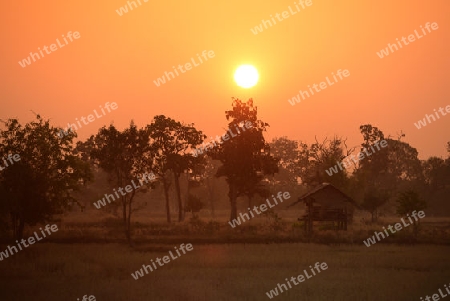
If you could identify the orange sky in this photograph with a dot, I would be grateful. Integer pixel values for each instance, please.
(117, 58)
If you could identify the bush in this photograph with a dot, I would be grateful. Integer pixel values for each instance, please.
(196, 224)
(193, 204)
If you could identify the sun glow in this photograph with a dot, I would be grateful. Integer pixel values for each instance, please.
(246, 76)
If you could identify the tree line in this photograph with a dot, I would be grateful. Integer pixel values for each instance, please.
(53, 168)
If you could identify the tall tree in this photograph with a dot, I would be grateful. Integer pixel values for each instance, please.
(170, 142)
(245, 157)
(387, 170)
(40, 184)
(210, 168)
(436, 173)
(125, 156)
(316, 159)
(203, 175)
(289, 170)
(372, 177)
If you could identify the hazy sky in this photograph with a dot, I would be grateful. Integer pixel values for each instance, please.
(117, 58)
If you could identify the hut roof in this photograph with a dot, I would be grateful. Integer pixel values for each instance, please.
(322, 194)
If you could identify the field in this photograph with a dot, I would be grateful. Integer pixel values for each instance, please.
(89, 256)
(224, 272)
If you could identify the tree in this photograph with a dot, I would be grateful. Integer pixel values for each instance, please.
(386, 170)
(207, 177)
(436, 173)
(256, 187)
(288, 152)
(289, 170)
(315, 160)
(371, 176)
(373, 199)
(39, 185)
(193, 204)
(201, 174)
(407, 202)
(125, 156)
(170, 142)
(245, 157)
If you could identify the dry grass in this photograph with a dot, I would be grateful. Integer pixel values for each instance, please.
(100, 227)
(224, 272)
(385, 271)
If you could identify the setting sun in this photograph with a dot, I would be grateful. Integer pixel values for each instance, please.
(246, 76)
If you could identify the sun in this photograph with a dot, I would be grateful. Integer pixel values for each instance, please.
(246, 76)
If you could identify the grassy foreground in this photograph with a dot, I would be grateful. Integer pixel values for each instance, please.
(224, 272)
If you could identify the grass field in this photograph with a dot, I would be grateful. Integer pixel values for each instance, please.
(89, 256)
(224, 272)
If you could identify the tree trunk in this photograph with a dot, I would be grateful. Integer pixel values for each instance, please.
(125, 218)
(14, 224)
(211, 200)
(415, 228)
(188, 191)
(129, 218)
(178, 191)
(21, 227)
(210, 187)
(124, 212)
(166, 196)
(232, 194)
(18, 224)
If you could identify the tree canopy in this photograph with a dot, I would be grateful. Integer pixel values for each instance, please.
(40, 184)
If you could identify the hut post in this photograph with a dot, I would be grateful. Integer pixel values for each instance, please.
(346, 219)
(310, 217)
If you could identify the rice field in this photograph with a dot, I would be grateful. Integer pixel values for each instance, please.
(49, 271)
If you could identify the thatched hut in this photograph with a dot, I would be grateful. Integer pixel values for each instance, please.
(326, 203)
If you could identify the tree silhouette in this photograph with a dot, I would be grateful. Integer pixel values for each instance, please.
(315, 159)
(125, 156)
(387, 170)
(40, 185)
(246, 158)
(170, 142)
(407, 202)
(193, 205)
(289, 170)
